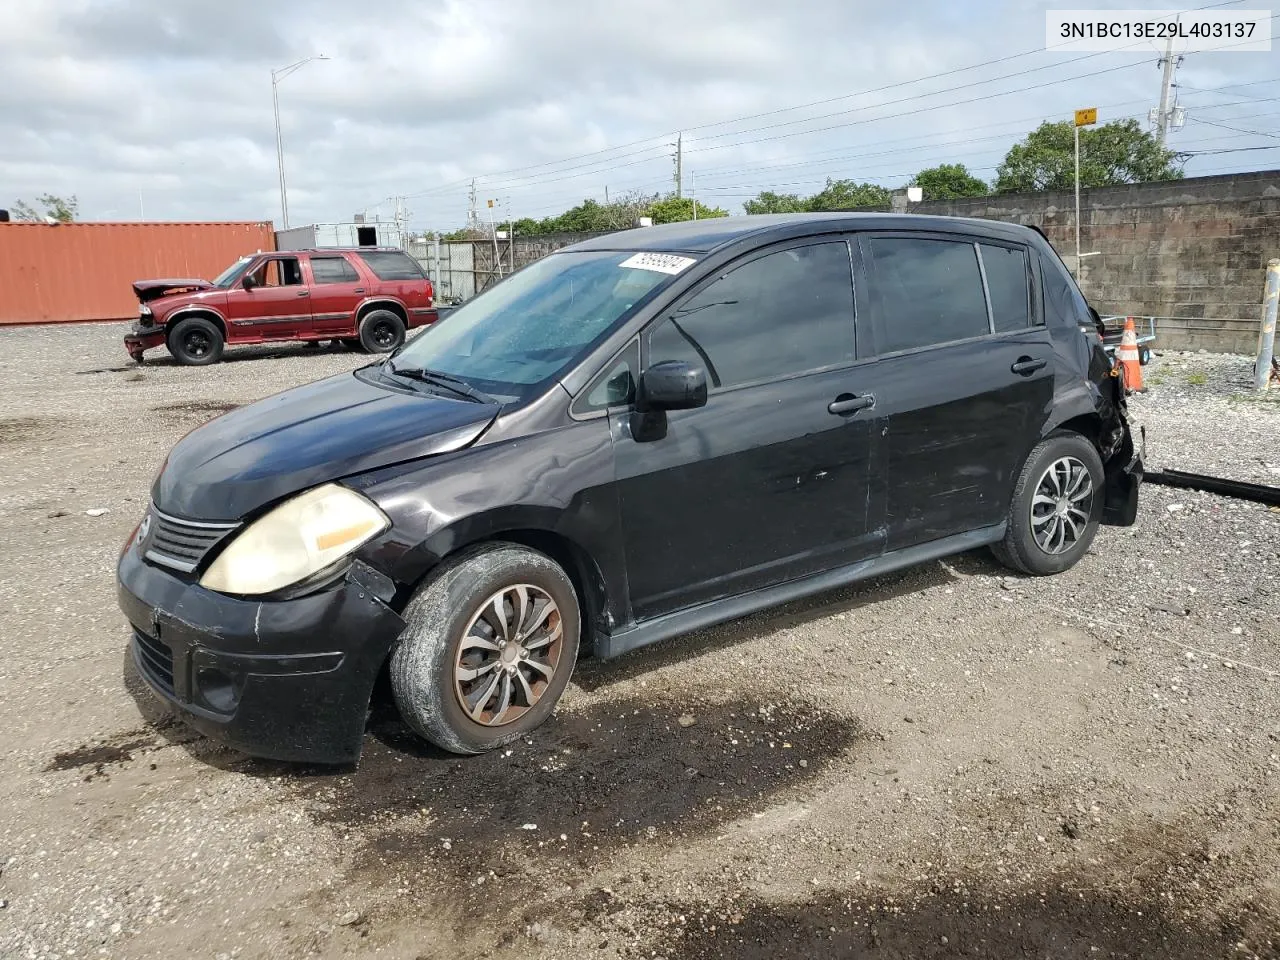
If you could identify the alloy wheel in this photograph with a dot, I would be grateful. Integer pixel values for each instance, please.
(1062, 505)
(196, 343)
(384, 334)
(508, 655)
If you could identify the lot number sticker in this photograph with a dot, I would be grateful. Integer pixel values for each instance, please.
(658, 262)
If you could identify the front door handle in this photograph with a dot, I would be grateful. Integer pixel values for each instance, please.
(1028, 365)
(304, 293)
(848, 403)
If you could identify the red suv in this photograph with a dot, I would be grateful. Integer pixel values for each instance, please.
(366, 298)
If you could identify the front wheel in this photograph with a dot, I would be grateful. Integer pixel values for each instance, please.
(1056, 507)
(195, 342)
(488, 647)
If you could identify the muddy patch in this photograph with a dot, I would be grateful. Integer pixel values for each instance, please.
(617, 774)
(1062, 922)
(26, 429)
(97, 757)
(213, 407)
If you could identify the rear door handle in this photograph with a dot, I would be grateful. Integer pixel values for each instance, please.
(1028, 365)
(848, 403)
(358, 290)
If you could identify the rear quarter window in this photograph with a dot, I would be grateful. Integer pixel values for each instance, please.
(392, 265)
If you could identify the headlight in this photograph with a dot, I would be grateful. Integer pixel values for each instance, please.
(145, 311)
(300, 537)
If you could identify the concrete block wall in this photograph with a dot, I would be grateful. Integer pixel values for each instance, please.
(1192, 250)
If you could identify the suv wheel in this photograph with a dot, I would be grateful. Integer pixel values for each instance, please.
(1057, 506)
(487, 649)
(195, 342)
(381, 331)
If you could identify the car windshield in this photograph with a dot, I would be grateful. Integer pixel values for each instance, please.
(536, 323)
(230, 275)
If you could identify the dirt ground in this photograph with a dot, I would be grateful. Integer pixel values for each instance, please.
(945, 762)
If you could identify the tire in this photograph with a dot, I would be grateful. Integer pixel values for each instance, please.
(1144, 354)
(430, 662)
(381, 331)
(1040, 539)
(196, 342)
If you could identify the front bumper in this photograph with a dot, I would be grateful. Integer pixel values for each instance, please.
(141, 338)
(283, 679)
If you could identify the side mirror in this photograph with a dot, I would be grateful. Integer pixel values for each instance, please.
(673, 385)
(249, 283)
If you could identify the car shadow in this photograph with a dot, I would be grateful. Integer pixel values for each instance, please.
(593, 674)
(274, 351)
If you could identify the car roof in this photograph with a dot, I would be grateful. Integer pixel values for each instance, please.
(324, 250)
(704, 236)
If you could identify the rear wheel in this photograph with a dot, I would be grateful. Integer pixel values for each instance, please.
(195, 342)
(1056, 507)
(488, 647)
(1144, 354)
(381, 331)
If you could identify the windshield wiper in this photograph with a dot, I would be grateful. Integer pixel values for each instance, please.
(437, 379)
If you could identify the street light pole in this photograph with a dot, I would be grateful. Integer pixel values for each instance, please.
(276, 77)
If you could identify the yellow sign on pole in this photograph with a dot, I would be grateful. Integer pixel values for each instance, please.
(490, 202)
(1087, 118)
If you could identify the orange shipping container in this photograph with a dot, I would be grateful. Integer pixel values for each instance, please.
(84, 271)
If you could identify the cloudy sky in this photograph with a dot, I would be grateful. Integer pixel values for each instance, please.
(164, 106)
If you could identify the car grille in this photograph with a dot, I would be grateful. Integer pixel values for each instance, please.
(182, 544)
(156, 660)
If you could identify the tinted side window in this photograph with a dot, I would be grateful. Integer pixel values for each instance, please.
(615, 385)
(333, 270)
(393, 265)
(1006, 269)
(785, 313)
(929, 291)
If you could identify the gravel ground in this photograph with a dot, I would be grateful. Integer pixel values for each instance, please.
(944, 762)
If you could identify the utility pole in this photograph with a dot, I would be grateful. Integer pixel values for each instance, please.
(679, 176)
(472, 218)
(693, 192)
(1167, 115)
(276, 77)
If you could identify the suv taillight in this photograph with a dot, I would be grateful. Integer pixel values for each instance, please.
(431, 293)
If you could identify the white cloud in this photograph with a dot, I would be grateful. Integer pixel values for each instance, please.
(106, 98)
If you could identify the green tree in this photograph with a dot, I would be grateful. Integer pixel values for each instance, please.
(949, 181)
(1116, 152)
(673, 209)
(526, 227)
(845, 195)
(769, 202)
(62, 209)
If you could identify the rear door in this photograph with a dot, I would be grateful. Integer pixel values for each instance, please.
(276, 307)
(963, 377)
(336, 288)
(766, 482)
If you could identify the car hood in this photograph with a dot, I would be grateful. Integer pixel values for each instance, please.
(148, 290)
(333, 428)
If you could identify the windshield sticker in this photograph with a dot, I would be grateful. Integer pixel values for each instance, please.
(658, 262)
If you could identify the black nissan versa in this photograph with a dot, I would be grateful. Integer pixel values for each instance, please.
(634, 437)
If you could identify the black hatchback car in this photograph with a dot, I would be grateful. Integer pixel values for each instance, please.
(634, 437)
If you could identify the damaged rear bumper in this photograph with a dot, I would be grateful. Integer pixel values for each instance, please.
(1124, 472)
(283, 679)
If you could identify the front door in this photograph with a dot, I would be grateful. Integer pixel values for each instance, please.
(768, 481)
(963, 378)
(336, 288)
(276, 305)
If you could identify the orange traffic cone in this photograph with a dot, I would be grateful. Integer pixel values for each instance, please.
(1127, 357)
